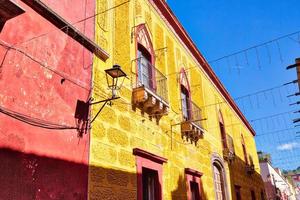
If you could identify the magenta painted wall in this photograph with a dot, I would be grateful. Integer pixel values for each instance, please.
(38, 163)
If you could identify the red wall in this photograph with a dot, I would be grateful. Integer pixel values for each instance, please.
(36, 163)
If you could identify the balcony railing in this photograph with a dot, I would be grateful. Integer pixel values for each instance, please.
(228, 151)
(150, 90)
(196, 115)
(191, 128)
(250, 168)
(151, 78)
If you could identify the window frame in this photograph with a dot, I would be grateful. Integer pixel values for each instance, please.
(151, 175)
(184, 83)
(219, 163)
(253, 195)
(222, 130)
(146, 45)
(143, 53)
(195, 177)
(185, 92)
(237, 190)
(149, 161)
(262, 194)
(244, 150)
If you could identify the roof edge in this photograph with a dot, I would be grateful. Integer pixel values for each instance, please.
(183, 35)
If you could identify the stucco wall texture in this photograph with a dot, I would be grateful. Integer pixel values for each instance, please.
(120, 129)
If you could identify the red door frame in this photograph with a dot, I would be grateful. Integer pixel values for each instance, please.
(151, 161)
(193, 176)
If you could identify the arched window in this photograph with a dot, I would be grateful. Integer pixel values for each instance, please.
(219, 179)
(145, 58)
(244, 150)
(186, 104)
(222, 130)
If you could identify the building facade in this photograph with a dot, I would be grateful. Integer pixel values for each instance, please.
(295, 177)
(276, 185)
(42, 75)
(175, 133)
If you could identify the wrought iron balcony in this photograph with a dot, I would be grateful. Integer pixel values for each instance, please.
(250, 168)
(150, 92)
(191, 128)
(228, 151)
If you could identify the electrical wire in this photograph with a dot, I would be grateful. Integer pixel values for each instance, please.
(59, 73)
(79, 21)
(278, 131)
(35, 121)
(255, 46)
(272, 116)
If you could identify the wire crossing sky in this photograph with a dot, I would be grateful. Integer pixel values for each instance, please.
(241, 33)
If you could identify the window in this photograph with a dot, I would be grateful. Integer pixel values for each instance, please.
(185, 104)
(145, 58)
(194, 190)
(244, 150)
(253, 195)
(219, 182)
(219, 178)
(193, 178)
(150, 184)
(237, 190)
(222, 130)
(149, 175)
(145, 72)
(262, 195)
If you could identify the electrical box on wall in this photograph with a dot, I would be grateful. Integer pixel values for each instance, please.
(82, 110)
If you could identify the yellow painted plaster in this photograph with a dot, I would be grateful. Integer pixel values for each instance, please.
(119, 129)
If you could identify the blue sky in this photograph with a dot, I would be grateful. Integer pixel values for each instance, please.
(223, 27)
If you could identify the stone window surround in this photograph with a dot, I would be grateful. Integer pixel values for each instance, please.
(192, 176)
(149, 47)
(151, 161)
(217, 160)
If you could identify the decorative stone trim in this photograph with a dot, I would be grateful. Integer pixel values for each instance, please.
(151, 161)
(193, 172)
(150, 156)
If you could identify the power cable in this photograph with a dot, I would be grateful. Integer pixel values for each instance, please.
(278, 131)
(255, 46)
(272, 116)
(61, 74)
(35, 121)
(81, 20)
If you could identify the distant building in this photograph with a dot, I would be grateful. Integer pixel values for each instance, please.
(276, 185)
(295, 178)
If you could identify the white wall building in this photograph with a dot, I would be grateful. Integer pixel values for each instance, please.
(276, 185)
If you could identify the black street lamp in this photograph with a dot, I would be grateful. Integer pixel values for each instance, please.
(112, 77)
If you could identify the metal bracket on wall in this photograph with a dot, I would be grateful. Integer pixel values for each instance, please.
(82, 112)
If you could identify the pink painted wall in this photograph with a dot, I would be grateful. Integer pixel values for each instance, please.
(37, 163)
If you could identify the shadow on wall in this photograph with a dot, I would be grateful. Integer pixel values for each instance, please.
(246, 179)
(32, 177)
(181, 191)
(112, 184)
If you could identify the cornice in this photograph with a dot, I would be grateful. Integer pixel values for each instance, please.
(170, 17)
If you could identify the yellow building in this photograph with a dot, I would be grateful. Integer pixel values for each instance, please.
(175, 133)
